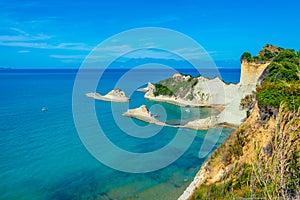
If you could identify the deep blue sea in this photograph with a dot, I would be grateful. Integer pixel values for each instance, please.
(42, 156)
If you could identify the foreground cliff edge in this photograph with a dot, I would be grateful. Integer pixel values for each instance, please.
(116, 95)
(261, 159)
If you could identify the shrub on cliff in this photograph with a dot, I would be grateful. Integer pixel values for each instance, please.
(273, 93)
(246, 56)
(285, 67)
(247, 103)
(268, 53)
(281, 83)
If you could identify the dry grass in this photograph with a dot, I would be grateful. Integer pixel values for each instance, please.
(259, 160)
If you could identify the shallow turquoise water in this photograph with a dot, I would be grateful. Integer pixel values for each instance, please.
(42, 156)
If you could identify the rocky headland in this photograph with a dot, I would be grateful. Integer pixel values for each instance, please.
(142, 113)
(185, 90)
(116, 95)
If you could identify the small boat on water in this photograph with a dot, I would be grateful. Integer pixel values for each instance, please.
(44, 109)
(187, 110)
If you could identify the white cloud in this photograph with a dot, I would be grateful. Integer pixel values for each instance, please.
(159, 20)
(20, 35)
(68, 56)
(44, 45)
(72, 46)
(115, 49)
(8, 38)
(193, 53)
(77, 57)
(150, 53)
(23, 39)
(23, 51)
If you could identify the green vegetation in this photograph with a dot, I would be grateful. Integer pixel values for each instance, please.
(231, 148)
(277, 166)
(195, 81)
(271, 94)
(246, 56)
(237, 144)
(284, 67)
(281, 82)
(247, 103)
(162, 90)
(180, 86)
(268, 53)
(238, 186)
(190, 97)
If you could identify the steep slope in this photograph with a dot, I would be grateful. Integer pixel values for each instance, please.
(255, 161)
(261, 159)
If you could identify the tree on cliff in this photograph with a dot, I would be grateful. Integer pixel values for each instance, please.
(246, 56)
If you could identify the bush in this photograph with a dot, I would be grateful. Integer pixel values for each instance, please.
(162, 90)
(246, 56)
(190, 97)
(268, 54)
(282, 72)
(282, 83)
(194, 82)
(271, 94)
(237, 143)
(247, 103)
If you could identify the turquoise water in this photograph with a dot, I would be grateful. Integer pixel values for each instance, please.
(42, 156)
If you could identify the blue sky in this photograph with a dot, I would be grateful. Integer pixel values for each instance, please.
(59, 34)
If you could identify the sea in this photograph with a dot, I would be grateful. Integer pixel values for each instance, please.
(42, 156)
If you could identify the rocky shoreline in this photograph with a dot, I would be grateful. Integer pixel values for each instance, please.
(142, 113)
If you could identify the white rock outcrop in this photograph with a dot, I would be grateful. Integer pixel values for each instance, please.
(116, 95)
(216, 93)
(142, 113)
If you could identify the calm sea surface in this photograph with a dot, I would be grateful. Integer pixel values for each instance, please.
(42, 156)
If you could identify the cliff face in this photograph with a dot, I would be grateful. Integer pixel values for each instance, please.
(251, 71)
(261, 159)
(238, 148)
(185, 90)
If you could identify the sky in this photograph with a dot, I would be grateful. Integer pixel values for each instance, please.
(60, 34)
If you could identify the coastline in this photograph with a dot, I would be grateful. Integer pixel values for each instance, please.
(227, 103)
(211, 93)
(250, 75)
(142, 113)
(197, 181)
(183, 103)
